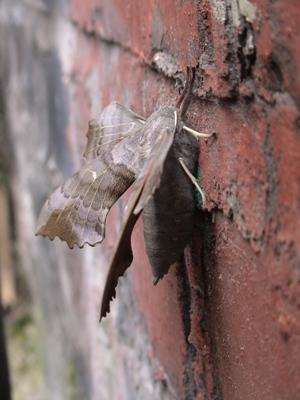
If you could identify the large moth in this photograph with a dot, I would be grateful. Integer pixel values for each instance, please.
(155, 156)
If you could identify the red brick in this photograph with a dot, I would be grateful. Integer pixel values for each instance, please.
(236, 333)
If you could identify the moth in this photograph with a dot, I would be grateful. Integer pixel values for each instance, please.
(155, 156)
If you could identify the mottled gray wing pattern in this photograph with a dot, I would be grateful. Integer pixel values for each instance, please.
(110, 127)
(142, 190)
(77, 210)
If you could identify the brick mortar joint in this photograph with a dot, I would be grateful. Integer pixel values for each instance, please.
(179, 77)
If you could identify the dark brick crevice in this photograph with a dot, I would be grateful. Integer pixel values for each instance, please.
(275, 72)
(196, 293)
(207, 232)
(232, 52)
(271, 164)
(185, 302)
(205, 34)
(246, 49)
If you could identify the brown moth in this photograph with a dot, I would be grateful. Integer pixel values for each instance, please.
(155, 155)
(163, 194)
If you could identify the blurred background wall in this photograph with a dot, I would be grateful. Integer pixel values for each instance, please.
(225, 323)
(64, 286)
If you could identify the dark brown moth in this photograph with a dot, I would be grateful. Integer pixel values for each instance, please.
(155, 156)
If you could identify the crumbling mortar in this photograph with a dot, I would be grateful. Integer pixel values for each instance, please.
(232, 49)
(205, 35)
(95, 35)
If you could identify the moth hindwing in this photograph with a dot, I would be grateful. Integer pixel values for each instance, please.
(76, 211)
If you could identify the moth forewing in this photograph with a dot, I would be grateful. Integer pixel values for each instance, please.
(147, 181)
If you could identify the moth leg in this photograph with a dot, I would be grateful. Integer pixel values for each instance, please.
(175, 119)
(197, 134)
(193, 180)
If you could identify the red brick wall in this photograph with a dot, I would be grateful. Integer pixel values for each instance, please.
(228, 325)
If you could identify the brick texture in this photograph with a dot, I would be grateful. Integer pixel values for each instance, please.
(225, 322)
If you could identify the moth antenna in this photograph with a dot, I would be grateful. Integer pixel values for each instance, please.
(193, 179)
(184, 99)
(197, 134)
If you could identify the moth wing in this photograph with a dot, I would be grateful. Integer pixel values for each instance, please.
(113, 124)
(122, 257)
(143, 188)
(153, 167)
(76, 211)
